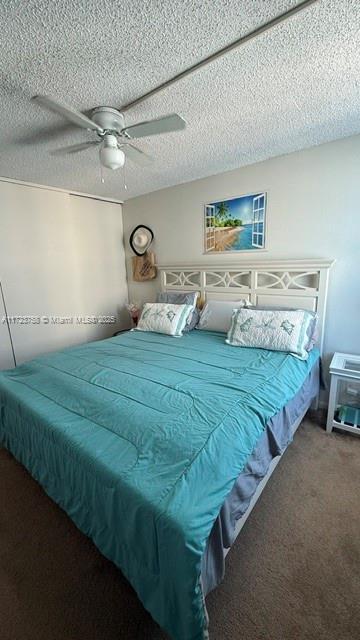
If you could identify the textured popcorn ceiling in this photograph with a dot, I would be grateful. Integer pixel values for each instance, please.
(293, 87)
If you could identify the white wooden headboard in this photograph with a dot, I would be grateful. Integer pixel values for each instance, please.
(300, 284)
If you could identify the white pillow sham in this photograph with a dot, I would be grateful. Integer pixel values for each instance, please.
(163, 317)
(183, 297)
(312, 330)
(284, 330)
(216, 315)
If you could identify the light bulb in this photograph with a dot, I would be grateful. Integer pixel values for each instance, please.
(111, 156)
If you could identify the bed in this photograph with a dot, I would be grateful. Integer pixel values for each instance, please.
(158, 447)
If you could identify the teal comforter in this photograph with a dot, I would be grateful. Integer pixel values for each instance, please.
(140, 438)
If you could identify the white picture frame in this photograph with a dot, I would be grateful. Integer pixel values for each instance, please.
(236, 225)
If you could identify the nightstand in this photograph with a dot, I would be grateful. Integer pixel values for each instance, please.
(344, 400)
(117, 333)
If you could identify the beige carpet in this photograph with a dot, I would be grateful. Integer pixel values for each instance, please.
(294, 572)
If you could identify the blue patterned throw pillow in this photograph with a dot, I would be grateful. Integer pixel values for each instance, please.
(312, 330)
(183, 297)
(162, 317)
(284, 330)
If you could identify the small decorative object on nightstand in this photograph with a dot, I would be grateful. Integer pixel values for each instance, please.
(344, 400)
(134, 311)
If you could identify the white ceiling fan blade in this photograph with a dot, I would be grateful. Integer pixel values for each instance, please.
(135, 155)
(173, 122)
(67, 112)
(74, 148)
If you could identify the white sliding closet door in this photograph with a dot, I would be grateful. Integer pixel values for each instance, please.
(61, 256)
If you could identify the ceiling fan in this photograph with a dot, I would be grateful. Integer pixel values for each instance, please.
(113, 136)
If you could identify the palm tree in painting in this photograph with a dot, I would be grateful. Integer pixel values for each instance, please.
(222, 211)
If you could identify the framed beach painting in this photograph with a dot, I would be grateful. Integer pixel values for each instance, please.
(236, 224)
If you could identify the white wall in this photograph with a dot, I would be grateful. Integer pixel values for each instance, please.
(313, 212)
(60, 255)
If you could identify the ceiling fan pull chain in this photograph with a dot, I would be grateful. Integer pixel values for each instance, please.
(125, 185)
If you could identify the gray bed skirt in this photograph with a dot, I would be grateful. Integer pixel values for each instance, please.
(277, 436)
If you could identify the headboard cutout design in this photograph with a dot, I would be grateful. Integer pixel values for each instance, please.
(300, 284)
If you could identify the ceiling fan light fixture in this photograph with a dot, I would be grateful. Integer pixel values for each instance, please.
(111, 156)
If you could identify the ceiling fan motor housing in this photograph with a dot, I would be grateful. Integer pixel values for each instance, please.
(108, 119)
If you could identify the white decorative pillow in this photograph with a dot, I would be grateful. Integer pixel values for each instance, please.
(183, 297)
(312, 330)
(284, 330)
(163, 317)
(216, 315)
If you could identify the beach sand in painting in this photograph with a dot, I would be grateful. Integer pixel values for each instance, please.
(225, 237)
